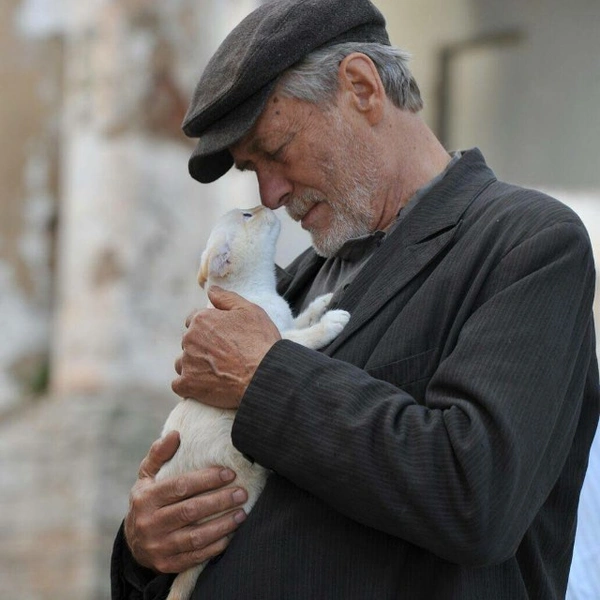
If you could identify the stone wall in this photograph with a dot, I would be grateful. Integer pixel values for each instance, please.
(30, 101)
(101, 230)
(66, 467)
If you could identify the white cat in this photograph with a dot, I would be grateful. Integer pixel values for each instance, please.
(239, 257)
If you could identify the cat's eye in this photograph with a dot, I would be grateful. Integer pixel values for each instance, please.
(247, 215)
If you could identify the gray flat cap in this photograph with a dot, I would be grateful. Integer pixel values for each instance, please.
(238, 79)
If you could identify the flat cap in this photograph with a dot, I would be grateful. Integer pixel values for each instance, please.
(239, 78)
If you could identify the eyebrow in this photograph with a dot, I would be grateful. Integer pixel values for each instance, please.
(242, 166)
(255, 146)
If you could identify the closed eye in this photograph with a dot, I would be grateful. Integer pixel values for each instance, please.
(277, 154)
(247, 215)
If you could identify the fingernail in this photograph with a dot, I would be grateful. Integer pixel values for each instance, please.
(227, 475)
(239, 496)
(239, 517)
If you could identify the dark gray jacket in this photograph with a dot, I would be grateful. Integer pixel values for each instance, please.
(437, 448)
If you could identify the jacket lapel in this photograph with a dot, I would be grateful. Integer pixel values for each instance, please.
(295, 279)
(415, 243)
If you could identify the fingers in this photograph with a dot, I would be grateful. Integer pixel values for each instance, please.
(163, 528)
(219, 298)
(160, 452)
(190, 484)
(180, 516)
(224, 299)
(222, 350)
(199, 543)
(189, 318)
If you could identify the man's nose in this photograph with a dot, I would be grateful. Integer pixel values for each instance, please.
(274, 188)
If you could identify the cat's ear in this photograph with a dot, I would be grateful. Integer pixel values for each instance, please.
(215, 261)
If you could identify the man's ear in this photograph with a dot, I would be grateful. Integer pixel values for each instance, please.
(215, 260)
(359, 77)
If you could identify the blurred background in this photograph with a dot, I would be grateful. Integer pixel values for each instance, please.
(101, 229)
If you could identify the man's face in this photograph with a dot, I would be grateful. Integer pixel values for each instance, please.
(312, 162)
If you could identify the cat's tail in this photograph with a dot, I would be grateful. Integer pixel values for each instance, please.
(184, 583)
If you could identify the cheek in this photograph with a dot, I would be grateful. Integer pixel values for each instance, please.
(312, 158)
(324, 163)
(324, 216)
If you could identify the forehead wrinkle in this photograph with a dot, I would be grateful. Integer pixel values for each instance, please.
(258, 146)
(247, 146)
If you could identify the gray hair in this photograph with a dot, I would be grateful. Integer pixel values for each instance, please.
(315, 78)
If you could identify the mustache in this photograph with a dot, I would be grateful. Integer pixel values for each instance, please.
(299, 205)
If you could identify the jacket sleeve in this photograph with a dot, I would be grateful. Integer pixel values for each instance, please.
(131, 581)
(464, 473)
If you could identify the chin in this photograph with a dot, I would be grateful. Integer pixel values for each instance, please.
(327, 243)
(328, 246)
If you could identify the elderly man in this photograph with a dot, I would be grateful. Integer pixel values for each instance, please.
(436, 449)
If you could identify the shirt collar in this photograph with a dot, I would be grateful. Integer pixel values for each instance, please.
(356, 248)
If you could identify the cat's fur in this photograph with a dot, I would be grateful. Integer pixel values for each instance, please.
(240, 257)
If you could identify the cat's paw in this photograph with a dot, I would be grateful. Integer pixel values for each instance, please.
(322, 302)
(319, 305)
(315, 310)
(335, 320)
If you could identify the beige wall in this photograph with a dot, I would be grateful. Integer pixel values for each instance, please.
(423, 28)
(533, 106)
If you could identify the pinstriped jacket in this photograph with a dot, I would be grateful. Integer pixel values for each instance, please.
(436, 449)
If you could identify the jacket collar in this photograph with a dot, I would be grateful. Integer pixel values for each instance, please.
(411, 246)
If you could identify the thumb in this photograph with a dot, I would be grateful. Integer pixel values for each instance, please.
(224, 299)
(161, 451)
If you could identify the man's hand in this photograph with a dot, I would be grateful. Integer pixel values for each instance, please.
(222, 349)
(160, 526)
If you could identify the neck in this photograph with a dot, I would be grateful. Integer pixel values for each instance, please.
(413, 156)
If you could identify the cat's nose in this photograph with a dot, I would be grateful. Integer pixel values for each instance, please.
(257, 209)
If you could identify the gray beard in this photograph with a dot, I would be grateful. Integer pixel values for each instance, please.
(351, 217)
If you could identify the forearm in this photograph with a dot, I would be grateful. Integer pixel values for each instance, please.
(360, 444)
